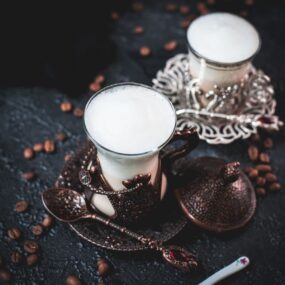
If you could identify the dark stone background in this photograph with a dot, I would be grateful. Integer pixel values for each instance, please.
(50, 53)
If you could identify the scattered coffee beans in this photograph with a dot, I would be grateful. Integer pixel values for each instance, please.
(67, 157)
(61, 137)
(253, 153)
(95, 87)
(263, 168)
(78, 112)
(32, 259)
(103, 267)
(31, 246)
(100, 79)
(184, 9)
(270, 177)
(264, 157)
(14, 233)
(138, 30)
(274, 187)
(37, 230)
(170, 46)
(29, 175)
(38, 147)
(72, 280)
(260, 191)
(145, 51)
(268, 143)
(5, 275)
(49, 146)
(260, 181)
(21, 206)
(47, 221)
(16, 257)
(115, 16)
(28, 153)
(171, 7)
(66, 106)
(185, 23)
(253, 173)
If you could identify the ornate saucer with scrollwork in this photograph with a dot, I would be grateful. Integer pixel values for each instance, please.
(221, 115)
(162, 225)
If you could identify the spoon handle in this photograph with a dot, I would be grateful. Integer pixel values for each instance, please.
(175, 255)
(234, 267)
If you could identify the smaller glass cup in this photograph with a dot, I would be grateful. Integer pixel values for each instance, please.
(117, 167)
(223, 73)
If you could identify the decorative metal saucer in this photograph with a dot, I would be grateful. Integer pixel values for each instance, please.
(163, 225)
(215, 195)
(229, 113)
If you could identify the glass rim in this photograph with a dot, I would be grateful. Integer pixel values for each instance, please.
(223, 64)
(145, 153)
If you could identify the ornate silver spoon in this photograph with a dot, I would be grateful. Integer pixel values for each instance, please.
(67, 205)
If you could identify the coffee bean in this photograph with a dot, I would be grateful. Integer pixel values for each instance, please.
(61, 137)
(29, 175)
(103, 267)
(201, 7)
(115, 16)
(137, 7)
(5, 275)
(253, 173)
(14, 233)
(253, 152)
(32, 259)
(72, 280)
(264, 157)
(275, 187)
(28, 153)
(21, 206)
(260, 181)
(171, 7)
(243, 13)
(263, 168)
(38, 147)
(37, 230)
(185, 23)
(78, 112)
(31, 246)
(260, 191)
(47, 221)
(270, 177)
(49, 146)
(211, 2)
(66, 106)
(16, 257)
(138, 30)
(184, 9)
(95, 87)
(268, 143)
(100, 78)
(170, 46)
(145, 51)
(249, 2)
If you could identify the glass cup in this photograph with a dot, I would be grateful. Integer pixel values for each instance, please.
(118, 167)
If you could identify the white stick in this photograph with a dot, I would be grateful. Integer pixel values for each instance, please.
(234, 267)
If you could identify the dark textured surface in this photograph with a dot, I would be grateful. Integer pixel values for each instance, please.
(66, 52)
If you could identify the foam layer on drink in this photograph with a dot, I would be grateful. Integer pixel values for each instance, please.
(223, 37)
(130, 119)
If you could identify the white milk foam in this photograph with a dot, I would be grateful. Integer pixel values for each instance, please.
(130, 119)
(223, 37)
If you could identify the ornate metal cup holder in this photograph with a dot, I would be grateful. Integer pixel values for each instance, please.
(221, 115)
(163, 224)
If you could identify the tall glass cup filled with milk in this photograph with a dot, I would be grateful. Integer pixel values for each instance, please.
(129, 124)
(221, 48)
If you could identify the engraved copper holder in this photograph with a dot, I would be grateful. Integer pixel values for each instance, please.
(216, 195)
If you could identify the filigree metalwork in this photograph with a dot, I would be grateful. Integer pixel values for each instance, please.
(221, 115)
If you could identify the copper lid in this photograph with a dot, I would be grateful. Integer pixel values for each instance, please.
(216, 195)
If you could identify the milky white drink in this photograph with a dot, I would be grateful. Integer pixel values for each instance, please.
(129, 124)
(221, 46)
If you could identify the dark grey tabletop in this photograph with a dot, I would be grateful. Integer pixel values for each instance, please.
(50, 56)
